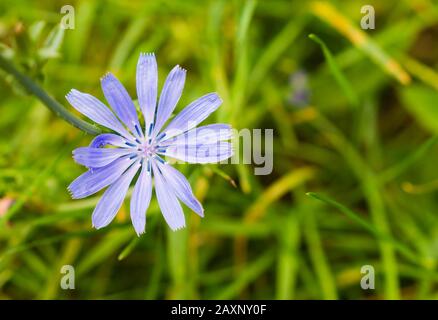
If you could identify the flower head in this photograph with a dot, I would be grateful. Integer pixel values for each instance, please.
(135, 149)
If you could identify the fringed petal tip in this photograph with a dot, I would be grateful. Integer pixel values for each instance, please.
(147, 54)
(139, 232)
(69, 94)
(200, 213)
(176, 228)
(177, 71)
(72, 91)
(180, 68)
(96, 227)
(106, 76)
(72, 193)
(72, 97)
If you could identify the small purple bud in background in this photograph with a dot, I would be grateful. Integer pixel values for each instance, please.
(300, 92)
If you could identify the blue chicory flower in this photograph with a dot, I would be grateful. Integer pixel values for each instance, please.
(114, 159)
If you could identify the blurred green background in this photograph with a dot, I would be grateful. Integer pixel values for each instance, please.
(355, 118)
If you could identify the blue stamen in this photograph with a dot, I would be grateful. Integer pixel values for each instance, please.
(130, 144)
(138, 130)
(160, 159)
(161, 136)
(151, 127)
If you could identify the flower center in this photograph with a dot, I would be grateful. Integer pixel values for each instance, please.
(147, 150)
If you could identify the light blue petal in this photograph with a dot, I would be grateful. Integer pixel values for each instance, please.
(147, 79)
(170, 95)
(140, 200)
(98, 157)
(96, 111)
(193, 114)
(207, 153)
(95, 180)
(111, 139)
(112, 199)
(169, 205)
(209, 134)
(181, 187)
(119, 99)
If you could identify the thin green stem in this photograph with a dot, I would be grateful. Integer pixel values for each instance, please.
(403, 249)
(318, 257)
(339, 76)
(33, 88)
(399, 168)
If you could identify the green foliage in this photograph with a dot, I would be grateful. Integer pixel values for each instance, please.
(421, 102)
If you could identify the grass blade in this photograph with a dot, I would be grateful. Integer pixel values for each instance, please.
(403, 249)
(337, 73)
